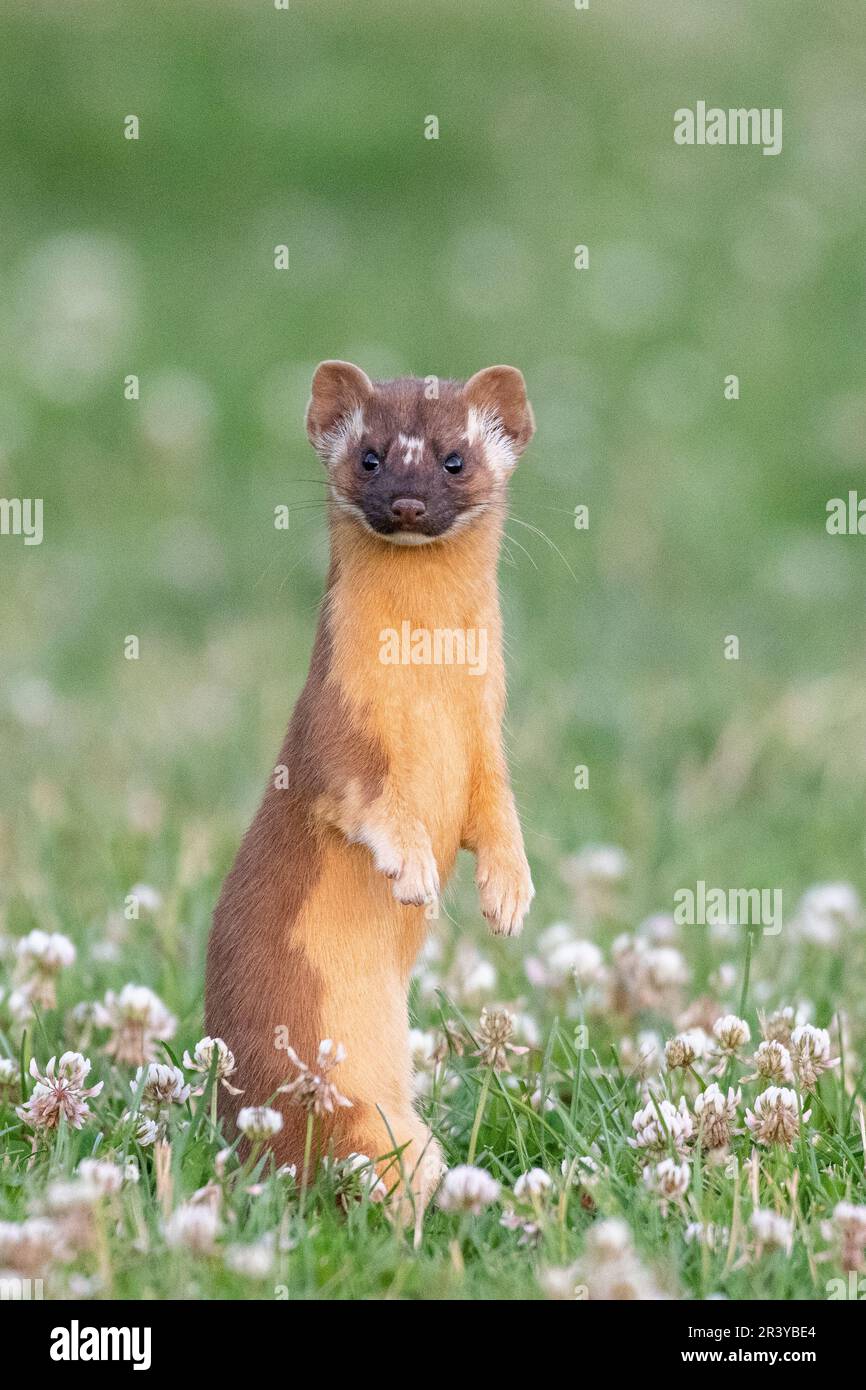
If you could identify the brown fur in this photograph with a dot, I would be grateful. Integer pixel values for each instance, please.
(392, 768)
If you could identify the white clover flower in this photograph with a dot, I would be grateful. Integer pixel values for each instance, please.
(495, 1030)
(683, 1050)
(193, 1226)
(661, 1123)
(20, 1005)
(81, 1192)
(668, 1180)
(45, 951)
(610, 1270)
(59, 1092)
(850, 1220)
(362, 1169)
(41, 956)
(716, 1114)
(202, 1061)
(583, 1170)
(723, 978)
(772, 1232)
(254, 1261)
(562, 957)
(31, 1246)
(259, 1123)
(645, 977)
(102, 1177)
(311, 1088)
(606, 863)
(810, 1054)
(827, 910)
(164, 1085)
(147, 1130)
(138, 1020)
(731, 1033)
(467, 1189)
(585, 963)
(779, 1025)
(533, 1185)
(540, 1100)
(848, 1230)
(609, 1239)
(772, 1062)
(776, 1117)
(666, 967)
(660, 929)
(422, 1047)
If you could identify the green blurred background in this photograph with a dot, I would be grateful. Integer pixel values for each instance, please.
(306, 127)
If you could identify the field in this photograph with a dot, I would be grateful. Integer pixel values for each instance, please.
(130, 770)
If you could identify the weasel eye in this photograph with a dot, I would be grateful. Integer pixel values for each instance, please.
(453, 464)
(370, 461)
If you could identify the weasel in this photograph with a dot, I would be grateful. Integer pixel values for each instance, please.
(391, 765)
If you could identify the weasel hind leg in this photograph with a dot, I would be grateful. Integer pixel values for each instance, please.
(408, 1160)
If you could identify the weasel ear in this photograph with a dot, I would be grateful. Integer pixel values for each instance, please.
(501, 391)
(338, 389)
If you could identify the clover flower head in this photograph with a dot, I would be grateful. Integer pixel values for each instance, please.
(533, 1185)
(772, 1231)
(716, 1114)
(193, 1226)
(661, 1123)
(259, 1123)
(467, 1189)
(311, 1088)
(495, 1030)
(59, 1092)
(776, 1117)
(668, 1180)
(138, 1020)
(163, 1086)
(772, 1062)
(811, 1054)
(779, 1025)
(682, 1050)
(732, 1033)
(202, 1061)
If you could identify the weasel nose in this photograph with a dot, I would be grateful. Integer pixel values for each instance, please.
(408, 510)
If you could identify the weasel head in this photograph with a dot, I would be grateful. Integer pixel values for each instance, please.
(417, 459)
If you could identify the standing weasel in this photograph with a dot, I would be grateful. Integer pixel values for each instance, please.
(393, 761)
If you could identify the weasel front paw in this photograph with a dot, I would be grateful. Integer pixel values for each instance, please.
(505, 887)
(409, 861)
(416, 883)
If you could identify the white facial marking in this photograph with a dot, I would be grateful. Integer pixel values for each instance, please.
(412, 448)
(485, 428)
(346, 432)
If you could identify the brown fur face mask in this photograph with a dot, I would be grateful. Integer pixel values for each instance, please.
(412, 465)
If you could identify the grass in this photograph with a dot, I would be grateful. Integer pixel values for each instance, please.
(706, 519)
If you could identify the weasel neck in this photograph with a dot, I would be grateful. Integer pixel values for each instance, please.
(453, 579)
